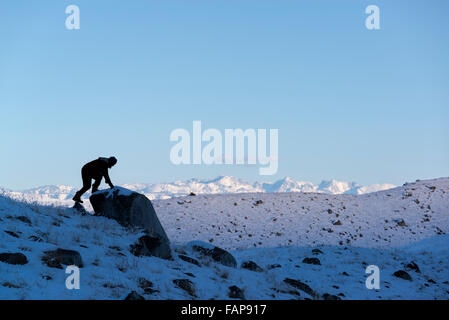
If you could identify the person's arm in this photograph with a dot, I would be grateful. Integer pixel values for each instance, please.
(107, 179)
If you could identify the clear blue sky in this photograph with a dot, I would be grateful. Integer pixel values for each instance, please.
(349, 103)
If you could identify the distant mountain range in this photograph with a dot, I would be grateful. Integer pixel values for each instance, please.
(59, 194)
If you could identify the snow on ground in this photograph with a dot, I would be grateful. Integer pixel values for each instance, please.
(382, 219)
(417, 211)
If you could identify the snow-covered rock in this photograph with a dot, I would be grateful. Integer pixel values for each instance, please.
(133, 209)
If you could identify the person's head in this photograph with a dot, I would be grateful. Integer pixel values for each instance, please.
(112, 161)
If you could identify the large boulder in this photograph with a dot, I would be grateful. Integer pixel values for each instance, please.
(130, 208)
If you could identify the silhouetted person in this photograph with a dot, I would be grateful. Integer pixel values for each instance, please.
(96, 170)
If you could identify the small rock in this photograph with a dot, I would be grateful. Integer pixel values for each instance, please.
(293, 293)
(35, 238)
(13, 258)
(192, 194)
(147, 286)
(24, 219)
(337, 223)
(251, 265)
(301, 286)
(11, 233)
(314, 261)
(59, 257)
(186, 285)
(144, 283)
(403, 275)
(274, 266)
(134, 296)
(189, 260)
(236, 293)
(328, 296)
(217, 254)
(317, 251)
(10, 285)
(413, 266)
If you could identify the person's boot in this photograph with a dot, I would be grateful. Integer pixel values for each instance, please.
(77, 198)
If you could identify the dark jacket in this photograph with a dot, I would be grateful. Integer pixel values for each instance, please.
(97, 169)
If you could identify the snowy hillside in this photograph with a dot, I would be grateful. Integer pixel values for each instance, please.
(381, 219)
(62, 195)
(327, 242)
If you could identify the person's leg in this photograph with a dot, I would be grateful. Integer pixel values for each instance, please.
(87, 181)
(96, 184)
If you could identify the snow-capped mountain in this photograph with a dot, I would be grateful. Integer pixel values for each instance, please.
(59, 194)
(287, 185)
(227, 184)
